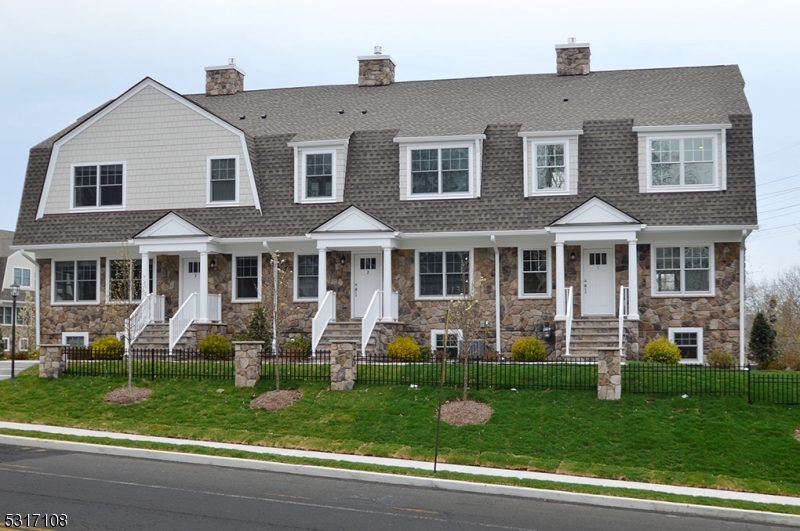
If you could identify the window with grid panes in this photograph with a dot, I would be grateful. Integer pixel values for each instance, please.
(443, 273)
(440, 171)
(683, 269)
(223, 180)
(247, 277)
(319, 175)
(682, 162)
(75, 281)
(98, 185)
(551, 167)
(307, 276)
(534, 272)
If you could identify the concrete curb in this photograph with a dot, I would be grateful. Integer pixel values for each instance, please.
(684, 509)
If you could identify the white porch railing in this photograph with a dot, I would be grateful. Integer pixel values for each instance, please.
(150, 310)
(183, 319)
(370, 318)
(568, 331)
(325, 314)
(214, 307)
(624, 309)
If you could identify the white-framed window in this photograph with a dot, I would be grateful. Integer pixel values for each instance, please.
(306, 276)
(125, 283)
(98, 186)
(247, 278)
(5, 315)
(454, 340)
(23, 344)
(443, 274)
(550, 167)
(6, 343)
(75, 281)
(690, 341)
(436, 172)
(223, 180)
(682, 162)
(319, 175)
(75, 339)
(683, 269)
(22, 277)
(534, 273)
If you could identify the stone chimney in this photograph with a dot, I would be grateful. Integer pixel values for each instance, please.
(375, 70)
(221, 80)
(572, 59)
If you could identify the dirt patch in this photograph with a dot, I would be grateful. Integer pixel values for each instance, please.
(127, 395)
(274, 400)
(459, 413)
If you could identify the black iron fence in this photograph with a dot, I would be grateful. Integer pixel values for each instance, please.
(780, 387)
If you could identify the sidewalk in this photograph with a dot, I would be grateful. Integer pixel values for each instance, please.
(419, 465)
(19, 366)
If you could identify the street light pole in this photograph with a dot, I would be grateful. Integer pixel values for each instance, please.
(14, 295)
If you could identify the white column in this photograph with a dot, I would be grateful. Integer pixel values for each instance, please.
(203, 317)
(155, 275)
(323, 276)
(387, 284)
(561, 305)
(145, 275)
(633, 281)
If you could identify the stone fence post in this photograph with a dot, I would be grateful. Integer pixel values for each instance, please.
(343, 365)
(52, 361)
(609, 377)
(247, 362)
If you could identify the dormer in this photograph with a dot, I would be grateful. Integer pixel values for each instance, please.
(550, 161)
(319, 170)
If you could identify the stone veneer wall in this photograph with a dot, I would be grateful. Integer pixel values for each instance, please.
(717, 315)
(224, 81)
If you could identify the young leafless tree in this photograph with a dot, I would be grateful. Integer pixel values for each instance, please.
(276, 295)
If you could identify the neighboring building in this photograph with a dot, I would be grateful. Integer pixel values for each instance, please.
(594, 181)
(16, 268)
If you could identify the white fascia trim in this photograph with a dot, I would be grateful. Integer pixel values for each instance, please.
(551, 134)
(108, 208)
(147, 82)
(696, 228)
(340, 142)
(429, 139)
(209, 202)
(679, 128)
(234, 297)
(483, 233)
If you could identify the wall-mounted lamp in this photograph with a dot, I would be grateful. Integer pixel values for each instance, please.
(342, 260)
(212, 264)
(572, 256)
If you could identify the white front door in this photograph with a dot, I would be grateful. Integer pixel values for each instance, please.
(597, 295)
(366, 281)
(190, 277)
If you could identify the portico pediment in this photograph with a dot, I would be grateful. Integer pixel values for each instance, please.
(172, 226)
(352, 220)
(595, 211)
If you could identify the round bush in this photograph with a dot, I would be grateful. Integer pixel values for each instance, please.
(720, 358)
(662, 350)
(108, 348)
(298, 346)
(528, 349)
(215, 347)
(404, 348)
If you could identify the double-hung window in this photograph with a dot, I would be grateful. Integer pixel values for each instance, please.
(551, 167)
(22, 277)
(534, 276)
(440, 171)
(5, 315)
(682, 162)
(319, 176)
(125, 279)
(683, 269)
(690, 342)
(75, 281)
(98, 185)
(454, 339)
(306, 276)
(247, 278)
(223, 179)
(443, 274)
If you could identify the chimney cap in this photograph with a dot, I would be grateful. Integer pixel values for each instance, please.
(572, 44)
(231, 65)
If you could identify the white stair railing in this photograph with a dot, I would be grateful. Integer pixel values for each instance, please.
(568, 331)
(370, 318)
(623, 313)
(183, 319)
(150, 310)
(325, 314)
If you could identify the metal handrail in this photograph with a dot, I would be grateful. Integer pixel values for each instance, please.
(569, 312)
(370, 318)
(325, 314)
(624, 310)
(183, 319)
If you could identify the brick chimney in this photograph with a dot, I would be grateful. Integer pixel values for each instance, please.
(375, 70)
(572, 59)
(221, 80)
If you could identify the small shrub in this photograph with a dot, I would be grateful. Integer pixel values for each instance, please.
(662, 350)
(108, 348)
(720, 358)
(425, 352)
(762, 342)
(298, 346)
(490, 355)
(791, 361)
(215, 347)
(528, 349)
(257, 329)
(404, 348)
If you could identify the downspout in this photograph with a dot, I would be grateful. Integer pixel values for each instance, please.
(38, 297)
(274, 299)
(496, 295)
(742, 357)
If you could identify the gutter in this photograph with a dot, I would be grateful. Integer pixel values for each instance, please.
(496, 294)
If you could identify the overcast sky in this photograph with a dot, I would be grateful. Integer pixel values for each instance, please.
(61, 59)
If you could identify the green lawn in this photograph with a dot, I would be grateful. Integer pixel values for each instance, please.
(699, 441)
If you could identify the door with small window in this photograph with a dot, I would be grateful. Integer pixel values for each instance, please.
(597, 289)
(366, 281)
(190, 277)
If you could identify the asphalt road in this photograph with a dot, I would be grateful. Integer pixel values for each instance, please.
(100, 492)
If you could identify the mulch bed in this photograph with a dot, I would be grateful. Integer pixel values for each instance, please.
(127, 395)
(459, 413)
(275, 400)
